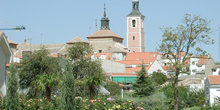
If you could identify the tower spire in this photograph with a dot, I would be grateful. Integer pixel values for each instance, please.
(104, 10)
(135, 9)
(105, 21)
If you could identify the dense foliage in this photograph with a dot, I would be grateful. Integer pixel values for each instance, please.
(113, 88)
(144, 86)
(87, 72)
(38, 73)
(12, 101)
(68, 89)
(159, 77)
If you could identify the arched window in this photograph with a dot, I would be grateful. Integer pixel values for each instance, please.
(133, 37)
(133, 23)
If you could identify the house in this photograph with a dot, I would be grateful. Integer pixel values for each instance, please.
(201, 65)
(133, 62)
(212, 89)
(5, 58)
(216, 70)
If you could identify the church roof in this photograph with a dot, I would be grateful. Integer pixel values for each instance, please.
(135, 13)
(104, 33)
(76, 40)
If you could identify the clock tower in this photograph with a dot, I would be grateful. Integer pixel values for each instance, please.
(135, 29)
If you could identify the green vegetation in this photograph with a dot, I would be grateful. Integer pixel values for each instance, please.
(68, 89)
(87, 72)
(181, 39)
(39, 73)
(144, 86)
(113, 88)
(159, 77)
(12, 102)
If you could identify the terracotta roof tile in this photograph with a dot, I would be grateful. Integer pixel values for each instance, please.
(115, 48)
(203, 61)
(214, 79)
(163, 55)
(139, 58)
(11, 42)
(76, 40)
(168, 68)
(104, 33)
(107, 55)
(136, 69)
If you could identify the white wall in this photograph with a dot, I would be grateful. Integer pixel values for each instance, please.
(216, 72)
(214, 92)
(154, 67)
(2, 72)
(110, 66)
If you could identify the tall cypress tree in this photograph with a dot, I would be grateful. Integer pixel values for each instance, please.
(12, 102)
(144, 86)
(68, 91)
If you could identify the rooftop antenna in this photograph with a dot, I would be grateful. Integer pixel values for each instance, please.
(219, 42)
(96, 24)
(41, 39)
(30, 39)
(90, 29)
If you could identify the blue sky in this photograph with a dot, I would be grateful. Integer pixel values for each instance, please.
(58, 21)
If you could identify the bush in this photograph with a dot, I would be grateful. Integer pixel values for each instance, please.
(2, 103)
(113, 88)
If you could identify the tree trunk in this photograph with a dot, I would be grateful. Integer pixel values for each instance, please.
(92, 92)
(48, 93)
(176, 103)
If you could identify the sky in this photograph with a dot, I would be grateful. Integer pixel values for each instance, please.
(59, 21)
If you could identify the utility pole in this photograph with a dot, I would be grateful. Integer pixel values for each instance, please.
(219, 44)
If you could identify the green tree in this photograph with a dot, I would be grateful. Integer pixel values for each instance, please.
(68, 89)
(113, 88)
(182, 39)
(144, 86)
(94, 77)
(87, 72)
(45, 83)
(39, 69)
(12, 102)
(159, 77)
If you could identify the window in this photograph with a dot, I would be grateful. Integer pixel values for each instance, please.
(100, 51)
(133, 37)
(133, 23)
(194, 70)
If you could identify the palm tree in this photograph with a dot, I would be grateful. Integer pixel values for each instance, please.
(46, 83)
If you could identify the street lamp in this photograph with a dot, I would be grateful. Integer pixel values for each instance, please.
(17, 28)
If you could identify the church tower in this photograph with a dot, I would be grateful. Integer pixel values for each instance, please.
(135, 29)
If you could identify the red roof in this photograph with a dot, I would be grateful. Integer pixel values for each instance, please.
(18, 56)
(77, 40)
(122, 74)
(108, 55)
(168, 68)
(203, 61)
(214, 79)
(104, 33)
(140, 58)
(164, 55)
(136, 69)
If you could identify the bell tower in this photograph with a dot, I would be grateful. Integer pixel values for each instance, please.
(135, 29)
